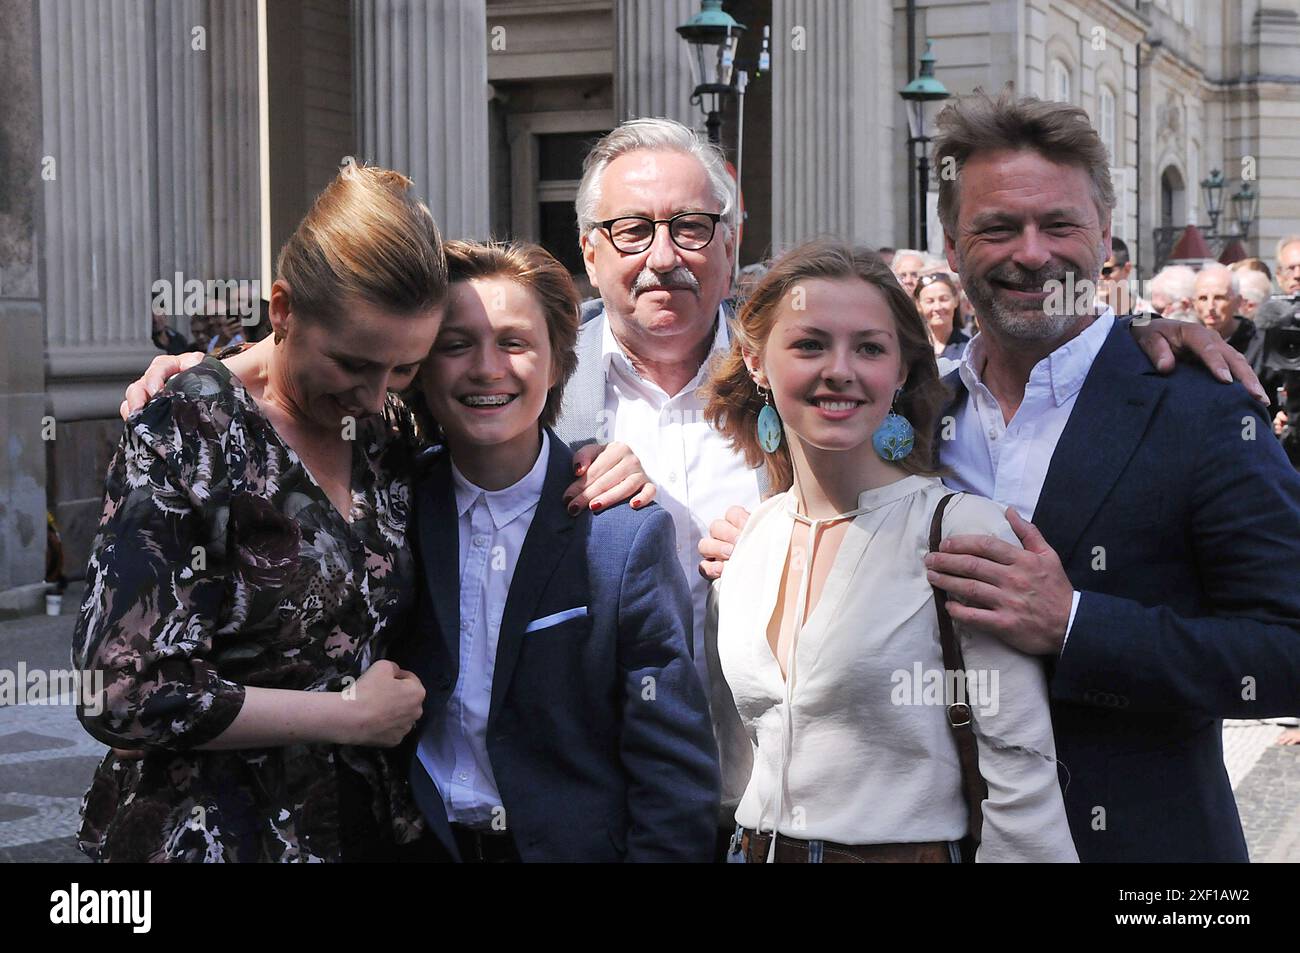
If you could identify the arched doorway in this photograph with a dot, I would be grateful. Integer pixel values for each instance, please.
(1173, 213)
(1173, 198)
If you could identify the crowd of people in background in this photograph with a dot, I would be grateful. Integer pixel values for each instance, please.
(217, 326)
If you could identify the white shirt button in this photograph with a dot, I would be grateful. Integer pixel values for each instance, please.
(480, 541)
(672, 477)
(464, 776)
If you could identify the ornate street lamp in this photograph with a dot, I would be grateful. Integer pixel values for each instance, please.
(924, 89)
(1212, 189)
(1244, 204)
(713, 35)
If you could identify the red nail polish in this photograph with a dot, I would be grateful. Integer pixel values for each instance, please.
(636, 504)
(595, 507)
(573, 509)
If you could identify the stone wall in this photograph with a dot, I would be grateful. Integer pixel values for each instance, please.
(22, 319)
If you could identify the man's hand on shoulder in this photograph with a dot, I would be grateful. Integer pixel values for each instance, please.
(1164, 340)
(716, 548)
(155, 378)
(1022, 596)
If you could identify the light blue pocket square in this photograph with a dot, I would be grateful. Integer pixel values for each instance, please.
(546, 621)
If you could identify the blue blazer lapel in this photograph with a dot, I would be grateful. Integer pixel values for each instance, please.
(1110, 416)
(439, 541)
(543, 553)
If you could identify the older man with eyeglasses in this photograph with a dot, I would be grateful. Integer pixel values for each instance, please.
(653, 214)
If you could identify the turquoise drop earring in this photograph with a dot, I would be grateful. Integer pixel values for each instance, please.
(894, 438)
(769, 423)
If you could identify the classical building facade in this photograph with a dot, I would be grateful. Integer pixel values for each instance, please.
(148, 138)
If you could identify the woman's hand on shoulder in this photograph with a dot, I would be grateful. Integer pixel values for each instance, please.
(383, 706)
(155, 378)
(607, 475)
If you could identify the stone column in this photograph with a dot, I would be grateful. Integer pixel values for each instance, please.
(206, 178)
(22, 325)
(420, 80)
(833, 137)
(149, 121)
(652, 74)
(100, 232)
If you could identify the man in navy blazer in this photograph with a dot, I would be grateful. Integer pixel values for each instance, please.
(1160, 575)
(1177, 520)
(598, 731)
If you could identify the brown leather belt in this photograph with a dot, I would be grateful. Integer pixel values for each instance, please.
(790, 850)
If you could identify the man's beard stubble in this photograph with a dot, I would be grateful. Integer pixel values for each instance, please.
(1031, 323)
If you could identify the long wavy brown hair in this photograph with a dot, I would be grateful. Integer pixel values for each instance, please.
(733, 401)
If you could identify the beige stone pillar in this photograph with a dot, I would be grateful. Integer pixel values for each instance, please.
(420, 78)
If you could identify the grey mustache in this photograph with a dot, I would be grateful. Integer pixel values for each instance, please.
(678, 279)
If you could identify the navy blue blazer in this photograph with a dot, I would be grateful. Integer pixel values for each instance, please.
(598, 729)
(1177, 517)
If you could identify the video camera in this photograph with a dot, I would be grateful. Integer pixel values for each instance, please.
(1279, 319)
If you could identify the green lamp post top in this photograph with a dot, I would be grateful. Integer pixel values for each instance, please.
(710, 25)
(925, 86)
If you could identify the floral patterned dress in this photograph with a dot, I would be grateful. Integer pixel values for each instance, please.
(220, 564)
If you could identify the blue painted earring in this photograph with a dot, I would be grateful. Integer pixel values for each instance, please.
(894, 438)
(769, 424)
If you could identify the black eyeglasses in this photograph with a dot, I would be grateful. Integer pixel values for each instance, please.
(690, 231)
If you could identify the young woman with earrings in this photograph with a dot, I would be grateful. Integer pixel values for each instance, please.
(871, 738)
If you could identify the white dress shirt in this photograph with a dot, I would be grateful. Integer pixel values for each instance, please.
(492, 527)
(851, 747)
(1008, 461)
(697, 474)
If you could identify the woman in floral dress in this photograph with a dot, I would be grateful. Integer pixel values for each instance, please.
(251, 564)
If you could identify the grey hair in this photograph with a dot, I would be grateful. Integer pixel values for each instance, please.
(1281, 247)
(1061, 133)
(1255, 285)
(656, 135)
(1176, 281)
(1213, 267)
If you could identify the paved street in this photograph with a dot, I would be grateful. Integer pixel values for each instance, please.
(46, 761)
(46, 757)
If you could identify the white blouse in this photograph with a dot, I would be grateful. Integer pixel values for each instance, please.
(855, 747)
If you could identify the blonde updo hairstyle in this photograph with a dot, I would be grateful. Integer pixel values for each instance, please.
(367, 238)
(733, 401)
